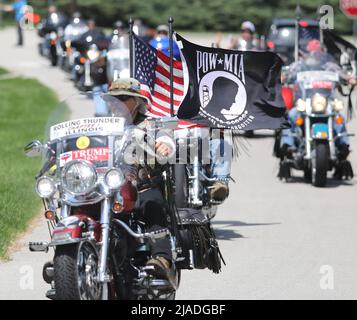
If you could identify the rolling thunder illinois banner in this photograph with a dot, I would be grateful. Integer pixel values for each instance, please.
(231, 89)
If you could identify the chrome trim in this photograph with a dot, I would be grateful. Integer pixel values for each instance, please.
(308, 137)
(147, 235)
(54, 185)
(105, 223)
(65, 211)
(64, 171)
(331, 139)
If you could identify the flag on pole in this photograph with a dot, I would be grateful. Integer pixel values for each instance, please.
(152, 69)
(239, 90)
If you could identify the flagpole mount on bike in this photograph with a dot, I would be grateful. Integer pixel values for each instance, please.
(131, 46)
(171, 22)
(297, 25)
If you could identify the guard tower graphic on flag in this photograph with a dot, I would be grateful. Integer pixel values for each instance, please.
(205, 96)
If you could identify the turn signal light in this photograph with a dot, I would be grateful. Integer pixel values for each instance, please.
(50, 215)
(339, 120)
(82, 60)
(117, 207)
(299, 121)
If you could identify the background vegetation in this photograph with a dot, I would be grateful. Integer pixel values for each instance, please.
(196, 15)
(24, 109)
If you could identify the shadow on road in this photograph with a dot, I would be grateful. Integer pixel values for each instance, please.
(331, 183)
(224, 232)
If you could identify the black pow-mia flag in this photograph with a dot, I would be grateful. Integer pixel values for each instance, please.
(238, 90)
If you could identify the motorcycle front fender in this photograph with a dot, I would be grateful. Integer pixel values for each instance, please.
(320, 131)
(74, 229)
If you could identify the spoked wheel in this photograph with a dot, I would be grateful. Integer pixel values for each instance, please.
(319, 165)
(75, 273)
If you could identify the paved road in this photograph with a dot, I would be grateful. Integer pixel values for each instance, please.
(278, 239)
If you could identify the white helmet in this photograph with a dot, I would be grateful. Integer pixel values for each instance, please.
(247, 25)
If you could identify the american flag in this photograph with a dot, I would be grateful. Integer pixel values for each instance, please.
(308, 33)
(152, 69)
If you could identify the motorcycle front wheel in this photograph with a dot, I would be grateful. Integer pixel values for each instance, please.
(320, 165)
(75, 272)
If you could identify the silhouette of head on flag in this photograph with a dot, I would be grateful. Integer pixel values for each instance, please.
(224, 92)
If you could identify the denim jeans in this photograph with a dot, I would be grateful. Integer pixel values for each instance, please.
(221, 158)
(101, 108)
(288, 134)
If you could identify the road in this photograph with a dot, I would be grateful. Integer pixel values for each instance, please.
(280, 240)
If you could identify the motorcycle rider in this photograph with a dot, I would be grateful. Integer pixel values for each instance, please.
(246, 40)
(96, 36)
(162, 42)
(127, 90)
(316, 59)
(75, 28)
(220, 150)
(54, 20)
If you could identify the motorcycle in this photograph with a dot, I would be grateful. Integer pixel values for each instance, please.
(72, 32)
(90, 63)
(317, 111)
(118, 58)
(52, 31)
(100, 243)
(193, 176)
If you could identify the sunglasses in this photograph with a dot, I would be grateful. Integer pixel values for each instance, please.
(124, 98)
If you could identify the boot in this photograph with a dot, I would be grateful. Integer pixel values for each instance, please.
(163, 269)
(219, 191)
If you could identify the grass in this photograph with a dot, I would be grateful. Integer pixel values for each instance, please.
(2, 71)
(25, 105)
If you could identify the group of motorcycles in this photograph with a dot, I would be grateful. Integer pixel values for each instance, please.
(100, 242)
(86, 53)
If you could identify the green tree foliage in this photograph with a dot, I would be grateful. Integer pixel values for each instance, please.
(200, 15)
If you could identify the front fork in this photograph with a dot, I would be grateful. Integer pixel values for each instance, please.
(87, 78)
(105, 224)
(309, 139)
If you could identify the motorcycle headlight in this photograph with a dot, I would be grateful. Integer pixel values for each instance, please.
(45, 187)
(114, 178)
(93, 54)
(79, 177)
(318, 103)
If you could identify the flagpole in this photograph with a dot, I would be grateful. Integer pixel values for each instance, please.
(131, 47)
(171, 21)
(298, 17)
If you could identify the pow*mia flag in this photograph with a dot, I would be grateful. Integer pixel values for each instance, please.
(231, 89)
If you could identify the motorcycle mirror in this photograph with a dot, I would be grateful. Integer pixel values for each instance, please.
(34, 149)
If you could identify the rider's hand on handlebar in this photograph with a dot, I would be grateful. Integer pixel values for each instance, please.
(162, 149)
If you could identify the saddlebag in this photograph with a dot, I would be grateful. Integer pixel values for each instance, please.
(198, 241)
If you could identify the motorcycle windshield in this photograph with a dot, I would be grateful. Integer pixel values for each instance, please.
(118, 57)
(318, 74)
(74, 132)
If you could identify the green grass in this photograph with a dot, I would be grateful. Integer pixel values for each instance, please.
(25, 105)
(2, 71)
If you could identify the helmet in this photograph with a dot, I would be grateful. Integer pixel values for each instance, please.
(118, 24)
(128, 87)
(247, 25)
(163, 28)
(314, 46)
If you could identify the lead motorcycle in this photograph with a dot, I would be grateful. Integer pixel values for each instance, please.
(98, 238)
(317, 111)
